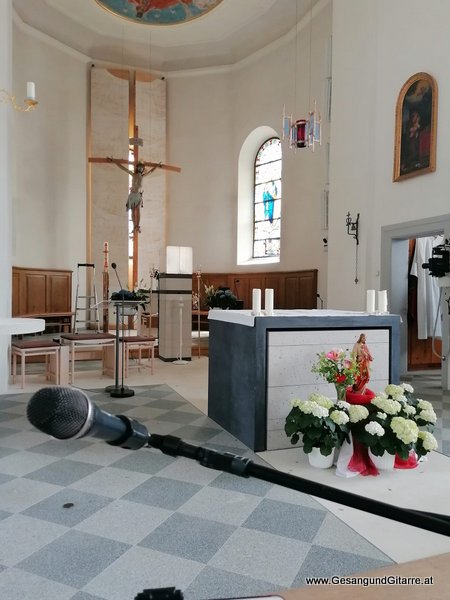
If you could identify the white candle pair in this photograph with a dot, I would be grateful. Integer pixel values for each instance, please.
(268, 301)
(382, 301)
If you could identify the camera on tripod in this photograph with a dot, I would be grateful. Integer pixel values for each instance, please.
(439, 263)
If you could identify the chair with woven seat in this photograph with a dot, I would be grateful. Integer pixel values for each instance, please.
(138, 343)
(47, 348)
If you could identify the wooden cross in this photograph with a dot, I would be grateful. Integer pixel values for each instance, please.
(135, 142)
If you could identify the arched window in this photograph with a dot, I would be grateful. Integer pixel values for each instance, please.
(267, 200)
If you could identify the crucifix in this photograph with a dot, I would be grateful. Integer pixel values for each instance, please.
(136, 168)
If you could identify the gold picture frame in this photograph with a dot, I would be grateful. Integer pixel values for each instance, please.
(415, 127)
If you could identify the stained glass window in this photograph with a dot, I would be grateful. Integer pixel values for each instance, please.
(267, 200)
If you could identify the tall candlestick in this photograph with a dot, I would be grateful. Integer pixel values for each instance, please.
(268, 302)
(370, 301)
(256, 302)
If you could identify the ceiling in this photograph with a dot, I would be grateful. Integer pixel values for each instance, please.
(223, 36)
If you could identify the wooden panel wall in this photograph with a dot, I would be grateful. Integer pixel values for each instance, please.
(292, 289)
(40, 291)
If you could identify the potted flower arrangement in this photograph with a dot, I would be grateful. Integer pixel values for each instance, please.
(397, 425)
(221, 297)
(337, 367)
(322, 425)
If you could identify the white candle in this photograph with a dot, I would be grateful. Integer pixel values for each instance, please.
(370, 301)
(268, 301)
(256, 302)
(382, 301)
(31, 91)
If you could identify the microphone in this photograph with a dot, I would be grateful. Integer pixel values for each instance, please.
(67, 413)
(114, 266)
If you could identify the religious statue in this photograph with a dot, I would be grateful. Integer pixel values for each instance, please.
(363, 359)
(135, 200)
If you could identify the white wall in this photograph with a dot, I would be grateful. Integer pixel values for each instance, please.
(49, 170)
(210, 115)
(377, 46)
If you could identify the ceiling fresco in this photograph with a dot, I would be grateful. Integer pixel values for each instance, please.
(159, 12)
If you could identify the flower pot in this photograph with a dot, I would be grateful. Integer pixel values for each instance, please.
(385, 462)
(319, 461)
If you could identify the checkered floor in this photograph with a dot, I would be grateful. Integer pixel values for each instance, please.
(83, 520)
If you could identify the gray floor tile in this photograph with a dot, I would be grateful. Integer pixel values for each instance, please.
(144, 461)
(111, 482)
(141, 568)
(191, 471)
(177, 416)
(326, 562)
(84, 596)
(125, 521)
(17, 495)
(261, 556)
(167, 404)
(198, 435)
(21, 536)
(335, 534)
(245, 485)
(5, 417)
(292, 496)
(165, 493)
(6, 431)
(221, 505)
(216, 583)
(23, 440)
(63, 472)
(23, 462)
(79, 506)
(100, 453)
(16, 584)
(74, 559)
(160, 427)
(286, 520)
(188, 537)
(6, 452)
(61, 448)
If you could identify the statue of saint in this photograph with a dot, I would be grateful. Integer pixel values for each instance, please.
(363, 358)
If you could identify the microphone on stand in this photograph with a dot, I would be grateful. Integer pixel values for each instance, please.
(114, 266)
(67, 413)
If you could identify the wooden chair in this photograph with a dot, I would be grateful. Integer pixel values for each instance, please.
(24, 348)
(138, 343)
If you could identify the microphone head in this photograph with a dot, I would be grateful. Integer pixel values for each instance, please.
(113, 265)
(58, 411)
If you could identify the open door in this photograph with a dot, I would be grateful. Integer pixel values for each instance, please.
(420, 351)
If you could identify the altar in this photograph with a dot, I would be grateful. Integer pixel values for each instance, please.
(258, 364)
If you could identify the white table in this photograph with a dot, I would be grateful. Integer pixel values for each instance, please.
(17, 325)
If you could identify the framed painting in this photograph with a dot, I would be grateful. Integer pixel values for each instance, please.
(415, 127)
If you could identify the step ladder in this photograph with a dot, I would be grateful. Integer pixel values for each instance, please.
(86, 307)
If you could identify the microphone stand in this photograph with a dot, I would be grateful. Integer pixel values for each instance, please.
(116, 391)
(244, 467)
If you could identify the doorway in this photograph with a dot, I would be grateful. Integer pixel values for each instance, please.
(394, 263)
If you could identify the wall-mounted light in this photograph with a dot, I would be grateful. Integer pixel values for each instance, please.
(353, 230)
(30, 99)
(353, 227)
